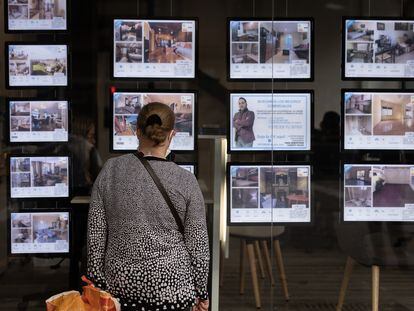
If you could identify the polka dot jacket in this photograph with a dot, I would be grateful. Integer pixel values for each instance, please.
(135, 250)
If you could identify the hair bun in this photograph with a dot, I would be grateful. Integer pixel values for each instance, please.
(153, 119)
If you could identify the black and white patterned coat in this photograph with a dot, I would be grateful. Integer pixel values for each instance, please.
(135, 250)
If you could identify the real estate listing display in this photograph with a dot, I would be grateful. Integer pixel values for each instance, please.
(269, 193)
(31, 15)
(270, 121)
(382, 120)
(38, 121)
(37, 65)
(39, 232)
(266, 49)
(380, 192)
(39, 177)
(145, 48)
(188, 167)
(126, 109)
(378, 48)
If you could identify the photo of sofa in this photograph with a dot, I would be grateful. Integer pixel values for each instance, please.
(48, 116)
(360, 31)
(47, 172)
(128, 52)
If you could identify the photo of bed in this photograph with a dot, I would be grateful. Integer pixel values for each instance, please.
(21, 236)
(19, 69)
(392, 186)
(48, 67)
(48, 116)
(21, 220)
(18, 12)
(393, 114)
(20, 124)
(394, 43)
(47, 172)
(360, 31)
(20, 109)
(244, 176)
(167, 42)
(244, 198)
(360, 52)
(282, 43)
(128, 31)
(127, 103)
(50, 228)
(358, 125)
(357, 175)
(358, 197)
(244, 31)
(128, 52)
(125, 125)
(283, 187)
(358, 103)
(20, 165)
(183, 111)
(244, 53)
(47, 9)
(20, 180)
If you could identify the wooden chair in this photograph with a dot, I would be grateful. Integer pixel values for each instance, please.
(254, 247)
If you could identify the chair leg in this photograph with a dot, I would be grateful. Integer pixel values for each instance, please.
(281, 269)
(242, 265)
(350, 263)
(268, 262)
(259, 259)
(253, 271)
(375, 287)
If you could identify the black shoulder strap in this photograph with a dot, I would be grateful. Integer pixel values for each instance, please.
(163, 191)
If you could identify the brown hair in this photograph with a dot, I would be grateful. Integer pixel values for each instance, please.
(155, 121)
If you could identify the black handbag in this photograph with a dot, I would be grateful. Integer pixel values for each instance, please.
(162, 190)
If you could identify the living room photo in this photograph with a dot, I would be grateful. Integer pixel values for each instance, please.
(392, 114)
(392, 186)
(127, 103)
(47, 172)
(47, 9)
(167, 42)
(282, 43)
(48, 116)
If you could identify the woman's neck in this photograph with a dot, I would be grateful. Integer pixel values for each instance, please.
(158, 152)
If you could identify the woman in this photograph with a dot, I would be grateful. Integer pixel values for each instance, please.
(135, 248)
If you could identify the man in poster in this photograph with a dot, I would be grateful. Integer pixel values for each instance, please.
(243, 123)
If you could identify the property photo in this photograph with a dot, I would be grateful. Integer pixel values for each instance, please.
(360, 31)
(21, 220)
(245, 198)
(17, 1)
(20, 124)
(127, 103)
(49, 172)
(21, 236)
(358, 125)
(47, 9)
(244, 53)
(358, 103)
(49, 228)
(392, 186)
(18, 12)
(392, 114)
(282, 43)
(20, 164)
(183, 110)
(283, 187)
(18, 54)
(20, 109)
(167, 42)
(244, 31)
(19, 69)
(48, 67)
(128, 31)
(394, 43)
(20, 180)
(245, 176)
(358, 197)
(125, 125)
(48, 116)
(126, 52)
(357, 175)
(360, 52)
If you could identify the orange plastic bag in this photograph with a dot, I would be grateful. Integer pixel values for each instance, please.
(92, 299)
